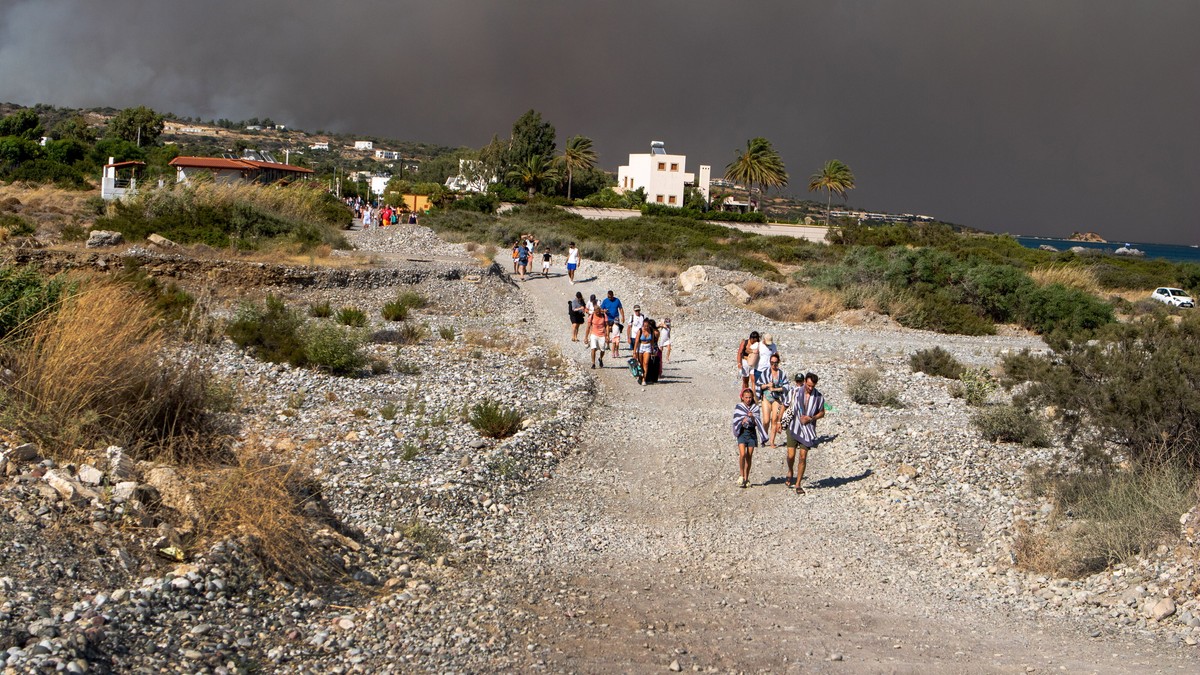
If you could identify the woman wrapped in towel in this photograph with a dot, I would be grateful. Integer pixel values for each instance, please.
(749, 431)
(807, 405)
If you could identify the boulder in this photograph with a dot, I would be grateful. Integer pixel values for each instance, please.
(1162, 609)
(692, 278)
(26, 452)
(104, 238)
(172, 490)
(159, 241)
(120, 467)
(90, 475)
(738, 293)
(70, 490)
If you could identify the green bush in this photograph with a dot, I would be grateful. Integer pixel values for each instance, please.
(271, 331)
(977, 385)
(333, 349)
(1067, 312)
(482, 203)
(866, 388)
(446, 333)
(412, 300)
(321, 310)
(17, 226)
(394, 311)
(493, 420)
(1008, 423)
(352, 316)
(937, 362)
(24, 296)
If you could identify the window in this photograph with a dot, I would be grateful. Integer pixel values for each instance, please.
(674, 166)
(662, 166)
(671, 199)
(659, 199)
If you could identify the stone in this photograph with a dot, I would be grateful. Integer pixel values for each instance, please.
(103, 238)
(201, 628)
(172, 490)
(124, 491)
(1189, 526)
(160, 241)
(26, 452)
(90, 475)
(674, 667)
(738, 293)
(67, 488)
(907, 471)
(120, 466)
(692, 278)
(1162, 609)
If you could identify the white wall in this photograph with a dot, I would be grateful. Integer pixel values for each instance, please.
(643, 172)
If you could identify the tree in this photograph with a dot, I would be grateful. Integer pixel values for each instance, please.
(24, 124)
(140, 125)
(760, 165)
(833, 177)
(577, 155)
(74, 128)
(535, 174)
(530, 136)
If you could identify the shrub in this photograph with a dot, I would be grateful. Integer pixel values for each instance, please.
(17, 226)
(495, 421)
(333, 349)
(352, 316)
(388, 411)
(412, 300)
(321, 310)
(798, 305)
(1011, 424)
(271, 332)
(97, 372)
(24, 295)
(411, 333)
(1104, 517)
(866, 388)
(406, 368)
(1066, 311)
(977, 385)
(394, 311)
(446, 333)
(937, 362)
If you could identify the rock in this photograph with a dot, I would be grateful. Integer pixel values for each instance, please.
(103, 238)
(172, 490)
(478, 444)
(124, 491)
(160, 241)
(1048, 247)
(90, 475)
(1162, 609)
(26, 452)
(738, 293)
(907, 471)
(69, 489)
(674, 667)
(692, 278)
(120, 467)
(836, 656)
(1189, 526)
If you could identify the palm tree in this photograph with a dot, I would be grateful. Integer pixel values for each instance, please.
(536, 173)
(578, 155)
(833, 177)
(759, 165)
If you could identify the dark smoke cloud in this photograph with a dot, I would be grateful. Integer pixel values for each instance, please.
(1020, 116)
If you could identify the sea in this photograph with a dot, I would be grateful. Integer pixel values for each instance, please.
(1172, 252)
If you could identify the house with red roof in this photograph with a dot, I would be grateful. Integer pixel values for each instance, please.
(252, 168)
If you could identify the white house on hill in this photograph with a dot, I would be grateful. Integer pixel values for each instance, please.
(663, 176)
(364, 145)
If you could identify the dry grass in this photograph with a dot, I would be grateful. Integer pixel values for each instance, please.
(46, 198)
(1071, 276)
(269, 501)
(657, 270)
(798, 305)
(98, 371)
(756, 289)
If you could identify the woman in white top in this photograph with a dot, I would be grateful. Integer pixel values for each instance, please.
(572, 261)
(664, 340)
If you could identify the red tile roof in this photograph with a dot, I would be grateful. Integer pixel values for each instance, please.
(120, 165)
(234, 164)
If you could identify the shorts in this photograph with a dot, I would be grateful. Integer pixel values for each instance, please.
(523, 262)
(545, 266)
(571, 266)
(793, 442)
(644, 349)
(748, 437)
(577, 317)
(596, 342)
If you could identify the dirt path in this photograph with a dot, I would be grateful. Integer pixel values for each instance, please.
(646, 553)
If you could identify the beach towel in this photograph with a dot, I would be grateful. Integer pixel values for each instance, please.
(741, 412)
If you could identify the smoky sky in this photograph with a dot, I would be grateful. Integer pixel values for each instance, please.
(1028, 117)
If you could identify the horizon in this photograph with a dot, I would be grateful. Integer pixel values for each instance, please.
(1021, 117)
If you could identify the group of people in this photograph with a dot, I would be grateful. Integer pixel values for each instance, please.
(771, 404)
(648, 342)
(377, 215)
(526, 248)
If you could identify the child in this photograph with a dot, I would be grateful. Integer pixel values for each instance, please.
(748, 430)
(546, 265)
(615, 334)
(516, 253)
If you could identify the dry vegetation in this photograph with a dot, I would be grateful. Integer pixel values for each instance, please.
(1071, 276)
(795, 304)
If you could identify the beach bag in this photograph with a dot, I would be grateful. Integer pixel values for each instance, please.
(788, 416)
(635, 368)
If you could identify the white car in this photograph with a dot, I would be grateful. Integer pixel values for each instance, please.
(1175, 297)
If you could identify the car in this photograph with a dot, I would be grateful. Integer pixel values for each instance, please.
(1176, 297)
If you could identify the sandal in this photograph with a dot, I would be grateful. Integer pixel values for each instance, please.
(745, 483)
(799, 490)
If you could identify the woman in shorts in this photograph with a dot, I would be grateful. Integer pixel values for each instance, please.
(646, 343)
(575, 309)
(748, 430)
(773, 388)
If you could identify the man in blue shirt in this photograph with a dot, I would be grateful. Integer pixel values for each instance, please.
(612, 307)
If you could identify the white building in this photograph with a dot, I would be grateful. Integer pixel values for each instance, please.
(387, 154)
(319, 146)
(119, 179)
(470, 178)
(364, 145)
(661, 175)
(379, 183)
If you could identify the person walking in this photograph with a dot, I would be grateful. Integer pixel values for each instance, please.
(523, 261)
(746, 360)
(748, 431)
(516, 256)
(808, 406)
(766, 349)
(647, 342)
(597, 335)
(575, 308)
(635, 325)
(573, 261)
(664, 340)
(613, 309)
(546, 264)
(773, 390)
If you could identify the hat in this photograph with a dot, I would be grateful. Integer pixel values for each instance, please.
(638, 307)
(799, 377)
(766, 339)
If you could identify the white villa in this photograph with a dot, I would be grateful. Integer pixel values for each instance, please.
(662, 175)
(364, 145)
(387, 154)
(470, 178)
